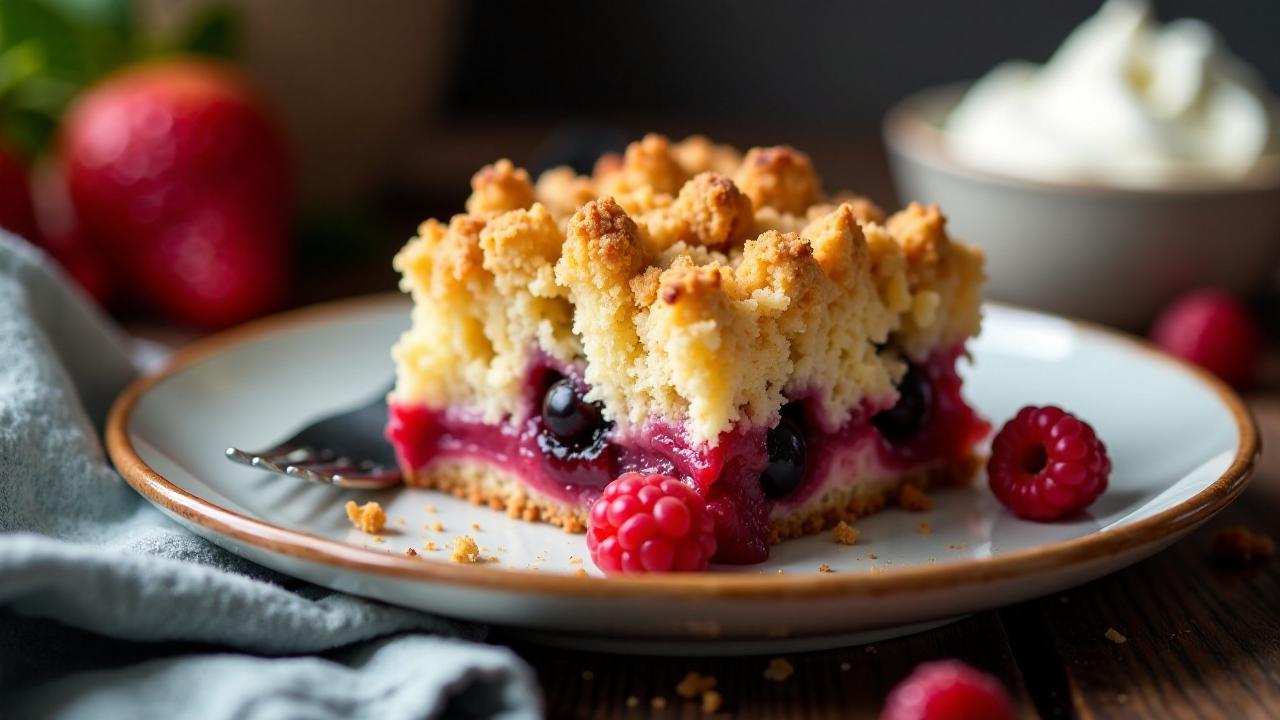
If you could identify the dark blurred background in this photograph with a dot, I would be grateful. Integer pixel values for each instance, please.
(819, 75)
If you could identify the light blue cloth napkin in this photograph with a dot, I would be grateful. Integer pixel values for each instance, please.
(108, 609)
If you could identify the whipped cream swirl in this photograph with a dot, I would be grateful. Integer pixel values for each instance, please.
(1123, 101)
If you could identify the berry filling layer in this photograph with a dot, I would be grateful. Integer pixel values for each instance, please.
(565, 450)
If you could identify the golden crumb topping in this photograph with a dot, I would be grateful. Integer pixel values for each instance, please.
(779, 177)
(498, 188)
(710, 211)
(647, 165)
(694, 285)
(367, 518)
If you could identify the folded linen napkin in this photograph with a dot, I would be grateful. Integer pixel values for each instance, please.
(108, 609)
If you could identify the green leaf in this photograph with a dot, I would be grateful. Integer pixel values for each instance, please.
(214, 32)
(113, 17)
(19, 64)
(104, 29)
(59, 39)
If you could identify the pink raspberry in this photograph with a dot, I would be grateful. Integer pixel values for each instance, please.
(1046, 464)
(1212, 329)
(947, 690)
(650, 523)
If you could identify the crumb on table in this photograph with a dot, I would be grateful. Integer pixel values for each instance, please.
(1114, 636)
(912, 499)
(695, 684)
(825, 568)
(779, 669)
(367, 518)
(924, 528)
(1238, 545)
(437, 526)
(711, 702)
(465, 550)
(410, 552)
(844, 533)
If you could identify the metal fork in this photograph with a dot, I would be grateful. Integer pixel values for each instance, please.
(347, 450)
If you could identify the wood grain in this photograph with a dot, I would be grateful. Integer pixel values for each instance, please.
(819, 688)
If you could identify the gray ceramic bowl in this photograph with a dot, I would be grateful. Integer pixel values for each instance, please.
(1110, 254)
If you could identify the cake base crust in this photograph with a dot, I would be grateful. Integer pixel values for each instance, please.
(481, 483)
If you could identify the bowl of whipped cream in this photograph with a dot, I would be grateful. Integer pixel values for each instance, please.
(1140, 161)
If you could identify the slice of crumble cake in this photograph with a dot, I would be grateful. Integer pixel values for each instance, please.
(691, 312)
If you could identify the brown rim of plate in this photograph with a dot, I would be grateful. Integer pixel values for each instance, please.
(692, 586)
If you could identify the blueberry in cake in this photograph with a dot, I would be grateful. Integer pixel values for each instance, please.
(690, 312)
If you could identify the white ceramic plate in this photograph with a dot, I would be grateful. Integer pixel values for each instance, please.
(1181, 443)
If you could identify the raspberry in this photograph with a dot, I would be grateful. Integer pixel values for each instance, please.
(1212, 329)
(650, 523)
(947, 690)
(1046, 464)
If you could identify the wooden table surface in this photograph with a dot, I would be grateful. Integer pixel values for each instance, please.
(1202, 642)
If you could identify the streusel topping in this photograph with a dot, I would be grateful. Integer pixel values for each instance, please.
(697, 286)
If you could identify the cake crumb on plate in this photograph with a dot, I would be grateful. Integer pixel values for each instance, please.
(825, 568)
(779, 669)
(465, 550)
(581, 572)
(844, 533)
(924, 528)
(367, 518)
(1114, 636)
(410, 552)
(437, 526)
